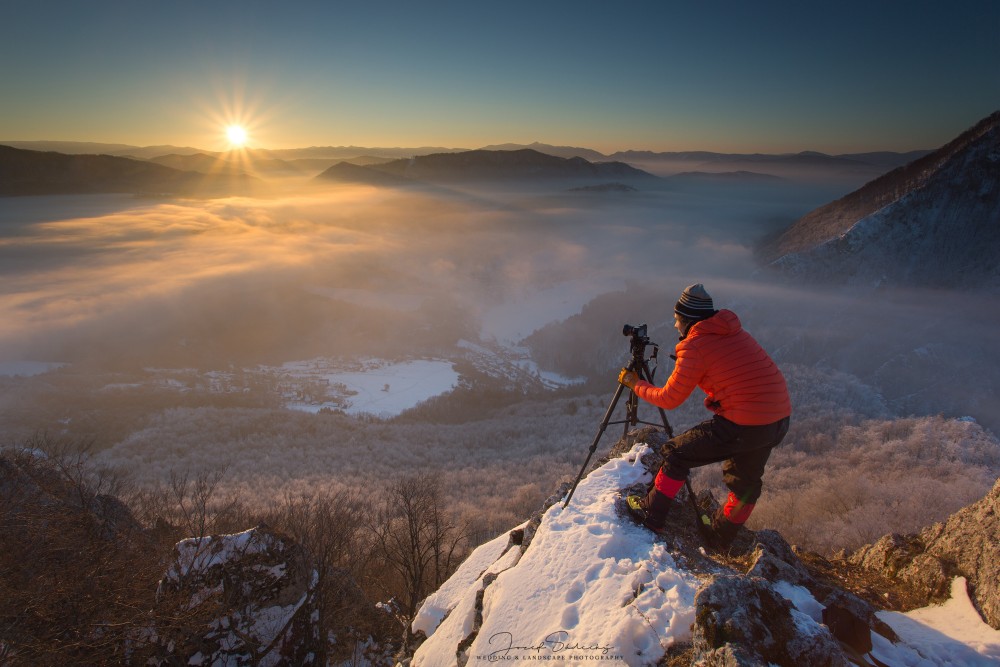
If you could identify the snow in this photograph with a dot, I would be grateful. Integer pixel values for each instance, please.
(441, 602)
(801, 599)
(589, 588)
(949, 634)
(938, 635)
(384, 389)
(594, 588)
(197, 552)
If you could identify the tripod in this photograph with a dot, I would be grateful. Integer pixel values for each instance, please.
(639, 365)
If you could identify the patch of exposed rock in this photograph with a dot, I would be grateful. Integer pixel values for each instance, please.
(966, 545)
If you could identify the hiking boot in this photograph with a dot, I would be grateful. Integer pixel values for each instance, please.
(724, 531)
(650, 510)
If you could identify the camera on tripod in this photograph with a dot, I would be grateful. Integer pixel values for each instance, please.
(638, 365)
(635, 332)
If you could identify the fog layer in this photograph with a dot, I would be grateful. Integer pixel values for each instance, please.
(365, 271)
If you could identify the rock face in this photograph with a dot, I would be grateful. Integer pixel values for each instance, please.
(966, 545)
(257, 590)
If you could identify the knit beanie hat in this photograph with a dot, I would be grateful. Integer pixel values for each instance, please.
(695, 303)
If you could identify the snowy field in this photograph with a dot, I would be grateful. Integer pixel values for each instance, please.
(594, 588)
(382, 389)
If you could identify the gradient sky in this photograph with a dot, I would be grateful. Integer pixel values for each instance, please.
(729, 76)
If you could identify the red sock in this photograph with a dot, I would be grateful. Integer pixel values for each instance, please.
(668, 486)
(735, 510)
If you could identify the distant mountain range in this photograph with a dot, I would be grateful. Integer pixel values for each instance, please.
(933, 222)
(27, 172)
(487, 165)
(321, 157)
(235, 170)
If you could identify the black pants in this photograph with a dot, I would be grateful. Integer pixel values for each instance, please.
(744, 450)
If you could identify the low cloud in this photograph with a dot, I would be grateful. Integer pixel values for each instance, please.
(352, 271)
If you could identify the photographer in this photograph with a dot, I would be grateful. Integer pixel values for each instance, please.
(748, 395)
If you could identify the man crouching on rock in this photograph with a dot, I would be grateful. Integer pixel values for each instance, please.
(748, 395)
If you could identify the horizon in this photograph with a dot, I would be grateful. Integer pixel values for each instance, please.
(248, 148)
(720, 79)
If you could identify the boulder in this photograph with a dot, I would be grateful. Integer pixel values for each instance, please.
(257, 593)
(742, 620)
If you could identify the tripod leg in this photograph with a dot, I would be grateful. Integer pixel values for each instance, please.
(597, 438)
(631, 412)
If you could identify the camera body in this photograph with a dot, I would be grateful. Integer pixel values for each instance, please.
(635, 332)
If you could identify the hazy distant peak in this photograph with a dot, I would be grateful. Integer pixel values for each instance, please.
(557, 151)
(488, 165)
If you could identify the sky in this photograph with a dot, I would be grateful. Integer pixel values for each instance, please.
(773, 76)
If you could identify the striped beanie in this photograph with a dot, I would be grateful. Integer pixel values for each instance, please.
(695, 303)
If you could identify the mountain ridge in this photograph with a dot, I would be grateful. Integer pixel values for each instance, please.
(26, 172)
(482, 165)
(939, 211)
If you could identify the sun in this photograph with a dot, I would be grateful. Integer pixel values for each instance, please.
(237, 136)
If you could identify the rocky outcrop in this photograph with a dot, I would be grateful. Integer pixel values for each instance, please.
(258, 592)
(742, 620)
(34, 484)
(965, 545)
(760, 602)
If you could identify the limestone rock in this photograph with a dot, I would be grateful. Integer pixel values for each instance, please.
(967, 545)
(742, 620)
(258, 589)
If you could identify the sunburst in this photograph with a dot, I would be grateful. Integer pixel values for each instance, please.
(237, 136)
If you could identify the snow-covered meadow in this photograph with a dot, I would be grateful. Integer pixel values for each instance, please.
(382, 389)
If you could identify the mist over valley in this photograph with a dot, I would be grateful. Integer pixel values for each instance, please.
(464, 312)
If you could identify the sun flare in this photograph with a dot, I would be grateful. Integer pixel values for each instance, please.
(237, 136)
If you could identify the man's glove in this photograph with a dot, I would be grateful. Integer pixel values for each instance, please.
(628, 378)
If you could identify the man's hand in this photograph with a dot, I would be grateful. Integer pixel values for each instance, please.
(628, 378)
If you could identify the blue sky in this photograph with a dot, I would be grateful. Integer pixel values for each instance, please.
(733, 76)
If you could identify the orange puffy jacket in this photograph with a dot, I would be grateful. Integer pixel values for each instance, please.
(742, 382)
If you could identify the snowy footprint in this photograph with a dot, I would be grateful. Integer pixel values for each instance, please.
(575, 592)
(570, 617)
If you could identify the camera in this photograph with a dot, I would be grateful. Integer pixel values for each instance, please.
(635, 332)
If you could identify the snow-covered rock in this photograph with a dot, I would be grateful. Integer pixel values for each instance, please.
(257, 590)
(582, 584)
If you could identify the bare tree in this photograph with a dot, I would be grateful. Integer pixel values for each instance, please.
(329, 525)
(415, 543)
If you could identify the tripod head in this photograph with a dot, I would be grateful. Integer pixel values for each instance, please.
(637, 344)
